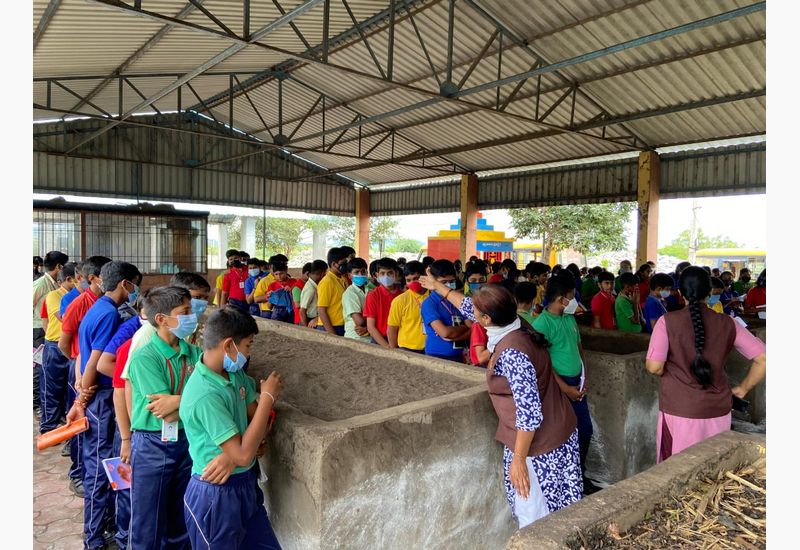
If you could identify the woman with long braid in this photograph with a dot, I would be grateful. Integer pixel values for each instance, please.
(688, 350)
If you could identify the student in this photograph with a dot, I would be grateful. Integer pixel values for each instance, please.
(297, 290)
(355, 325)
(714, 300)
(260, 296)
(557, 324)
(743, 285)
(225, 425)
(525, 294)
(590, 286)
(37, 265)
(233, 286)
(158, 372)
(404, 326)
(603, 315)
(715, 272)
(757, 296)
(199, 289)
(446, 333)
(348, 251)
(675, 300)
(643, 275)
(539, 272)
(308, 296)
(81, 284)
(230, 255)
(253, 276)
(379, 301)
(731, 303)
(474, 277)
(279, 294)
(654, 306)
(120, 282)
(329, 294)
(624, 267)
(426, 261)
(479, 353)
(626, 306)
(372, 283)
(55, 366)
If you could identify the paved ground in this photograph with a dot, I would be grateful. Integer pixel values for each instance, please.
(57, 512)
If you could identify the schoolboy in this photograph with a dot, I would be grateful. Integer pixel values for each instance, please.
(714, 300)
(404, 326)
(279, 294)
(372, 283)
(233, 285)
(254, 274)
(626, 306)
(655, 305)
(230, 255)
(625, 266)
(308, 296)
(120, 281)
(225, 425)
(81, 284)
(260, 295)
(329, 293)
(160, 459)
(353, 299)
(603, 302)
(446, 334)
(297, 290)
(474, 277)
(379, 301)
(525, 294)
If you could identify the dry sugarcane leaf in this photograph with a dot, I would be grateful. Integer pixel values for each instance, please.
(744, 482)
(740, 540)
(748, 519)
(613, 530)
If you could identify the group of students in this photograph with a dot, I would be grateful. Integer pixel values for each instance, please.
(162, 382)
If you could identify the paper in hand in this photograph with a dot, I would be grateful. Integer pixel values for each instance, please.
(583, 377)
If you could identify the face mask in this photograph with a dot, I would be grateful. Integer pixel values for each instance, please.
(133, 296)
(595, 278)
(665, 294)
(451, 284)
(625, 270)
(236, 263)
(416, 287)
(572, 306)
(521, 279)
(187, 324)
(232, 366)
(101, 286)
(253, 272)
(505, 274)
(713, 299)
(475, 286)
(83, 285)
(360, 280)
(386, 280)
(746, 278)
(199, 306)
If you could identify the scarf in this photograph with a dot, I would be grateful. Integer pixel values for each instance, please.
(496, 334)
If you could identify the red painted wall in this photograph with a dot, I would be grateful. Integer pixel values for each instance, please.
(444, 249)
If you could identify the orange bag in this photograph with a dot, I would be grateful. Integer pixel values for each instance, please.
(63, 433)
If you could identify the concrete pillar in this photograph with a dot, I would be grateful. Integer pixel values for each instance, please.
(469, 217)
(647, 192)
(362, 224)
(319, 247)
(223, 244)
(249, 236)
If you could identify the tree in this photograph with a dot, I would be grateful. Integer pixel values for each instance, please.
(381, 230)
(279, 235)
(403, 245)
(235, 234)
(679, 247)
(587, 228)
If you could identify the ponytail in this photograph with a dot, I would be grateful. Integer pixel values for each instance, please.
(700, 367)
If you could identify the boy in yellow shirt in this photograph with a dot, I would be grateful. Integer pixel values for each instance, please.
(405, 329)
(261, 292)
(329, 293)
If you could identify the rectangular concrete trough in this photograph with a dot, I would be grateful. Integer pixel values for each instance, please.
(378, 449)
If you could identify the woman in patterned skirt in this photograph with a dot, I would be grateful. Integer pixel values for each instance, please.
(541, 461)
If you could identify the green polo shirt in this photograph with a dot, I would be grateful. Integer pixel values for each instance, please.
(213, 410)
(623, 310)
(149, 373)
(741, 287)
(562, 333)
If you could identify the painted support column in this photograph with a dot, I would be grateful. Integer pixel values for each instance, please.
(469, 217)
(249, 235)
(362, 224)
(648, 192)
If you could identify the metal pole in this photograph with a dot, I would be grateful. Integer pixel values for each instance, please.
(246, 20)
(450, 24)
(326, 16)
(390, 61)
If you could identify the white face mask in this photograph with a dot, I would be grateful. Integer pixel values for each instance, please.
(521, 279)
(572, 307)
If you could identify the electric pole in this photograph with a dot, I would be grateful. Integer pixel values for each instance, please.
(693, 233)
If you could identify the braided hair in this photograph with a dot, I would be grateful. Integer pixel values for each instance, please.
(695, 285)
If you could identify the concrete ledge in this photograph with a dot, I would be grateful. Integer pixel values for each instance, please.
(627, 502)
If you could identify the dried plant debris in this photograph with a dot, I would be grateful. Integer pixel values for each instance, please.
(728, 512)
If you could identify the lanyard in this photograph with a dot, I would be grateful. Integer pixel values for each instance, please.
(172, 377)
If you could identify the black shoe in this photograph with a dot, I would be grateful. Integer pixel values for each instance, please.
(590, 488)
(65, 450)
(76, 486)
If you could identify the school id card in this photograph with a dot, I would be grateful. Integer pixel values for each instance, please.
(118, 473)
(169, 431)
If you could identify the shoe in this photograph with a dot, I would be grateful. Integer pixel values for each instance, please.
(65, 450)
(76, 486)
(38, 412)
(590, 488)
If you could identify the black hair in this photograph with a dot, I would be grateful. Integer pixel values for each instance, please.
(307, 267)
(596, 270)
(54, 258)
(280, 266)
(164, 299)
(93, 265)
(413, 267)
(762, 278)
(428, 260)
(559, 285)
(373, 268)
(525, 292)
(243, 254)
(707, 270)
(278, 258)
(716, 282)
(443, 268)
(695, 285)
(575, 270)
(231, 252)
(508, 263)
(386, 263)
(228, 322)
(355, 263)
(67, 271)
(189, 281)
(681, 266)
(473, 258)
(628, 279)
(401, 260)
(661, 280)
(37, 260)
(496, 267)
(477, 266)
(262, 263)
(336, 255)
(254, 261)
(113, 273)
(348, 249)
(643, 268)
(537, 268)
(742, 271)
(457, 265)
(318, 266)
(605, 276)
(557, 269)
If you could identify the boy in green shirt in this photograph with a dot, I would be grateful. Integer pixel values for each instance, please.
(226, 427)
(525, 294)
(626, 307)
(158, 372)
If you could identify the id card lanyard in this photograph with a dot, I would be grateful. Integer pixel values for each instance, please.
(169, 430)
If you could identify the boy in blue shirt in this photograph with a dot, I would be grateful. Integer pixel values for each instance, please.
(254, 274)
(655, 305)
(226, 427)
(444, 327)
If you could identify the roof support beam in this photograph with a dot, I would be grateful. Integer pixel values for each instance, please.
(47, 16)
(292, 25)
(363, 36)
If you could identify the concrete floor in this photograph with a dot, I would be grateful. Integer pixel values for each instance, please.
(57, 512)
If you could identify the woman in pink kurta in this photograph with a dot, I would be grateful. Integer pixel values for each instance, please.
(688, 350)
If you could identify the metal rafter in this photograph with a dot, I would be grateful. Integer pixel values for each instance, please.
(363, 36)
(293, 26)
(47, 16)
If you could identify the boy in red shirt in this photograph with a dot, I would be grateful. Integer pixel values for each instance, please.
(603, 303)
(280, 294)
(233, 286)
(379, 300)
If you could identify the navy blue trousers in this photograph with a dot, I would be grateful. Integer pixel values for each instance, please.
(76, 443)
(585, 430)
(52, 386)
(161, 471)
(338, 329)
(228, 516)
(98, 444)
(122, 504)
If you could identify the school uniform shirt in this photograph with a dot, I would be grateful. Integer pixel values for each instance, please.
(141, 338)
(262, 288)
(329, 294)
(716, 308)
(353, 302)
(124, 333)
(377, 306)
(603, 308)
(623, 309)
(562, 333)
(757, 296)
(436, 308)
(213, 410)
(406, 313)
(478, 337)
(118, 382)
(218, 286)
(97, 329)
(249, 287)
(71, 320)
(233, 284)
(297, 290)
(526, 315)
(589, 288)
(653, 310)
(308, 299)
(539, 300)
(158, 368)
(66, 300)
(41, 288)
(726, 297)
(51, 303)
(741, 287)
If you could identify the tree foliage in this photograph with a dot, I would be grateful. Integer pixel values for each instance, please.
(381, 230)
(587, 228)
(403, 244)
(279, 235)
(679, 247)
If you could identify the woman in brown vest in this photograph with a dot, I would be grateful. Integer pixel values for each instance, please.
(688, 350)
(537, 427)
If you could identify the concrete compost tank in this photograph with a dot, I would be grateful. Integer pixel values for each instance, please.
(378, 449)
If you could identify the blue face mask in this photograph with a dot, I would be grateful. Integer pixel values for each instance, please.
(232, 366)
(713, 299)
(665, 294)
(475, 286)
(386, 280)
(451, 285)
(83, 284)
(360, 280)
(187, 324)
(133, 296)
(199, 306)
(254, 272)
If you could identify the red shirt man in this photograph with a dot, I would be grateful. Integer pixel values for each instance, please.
(377, 304)
(603, 306)
(233, 284)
